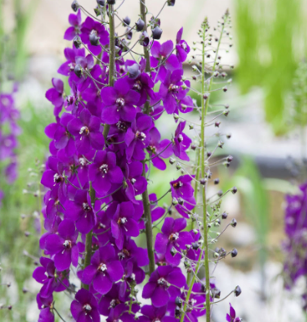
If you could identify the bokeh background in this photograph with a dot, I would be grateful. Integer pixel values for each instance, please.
(269, 45)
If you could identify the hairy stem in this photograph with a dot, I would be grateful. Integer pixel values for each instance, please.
(145, 196)
(111, 59)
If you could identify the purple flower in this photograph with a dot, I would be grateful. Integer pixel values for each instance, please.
(160, 285)
(137, 137)
(55, 95)
(63, 245)
(75, 22)
(170, 89)
(173, 239)
(91, 28)
(104, 172)
(60, 134)
(231, 317)
(120, 313)
(182, 48)
(119, 102)
(124, 222)
(136, 183)
(182, 190)
(80, 210)
(151, 313)
(104, 270)
(87, 132)
(70, 54)
(158, 149)
(45, 305)
(156, 212)
(84, 307)
(181, 142)
(52, 281)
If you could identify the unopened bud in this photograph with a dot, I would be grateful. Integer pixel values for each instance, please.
(237, 291)
(216, 181)
(233, 222)
(234, 190)
(234, 253)
(75, 5)
(157, 33)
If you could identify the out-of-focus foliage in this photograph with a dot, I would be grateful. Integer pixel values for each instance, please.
(271, 41)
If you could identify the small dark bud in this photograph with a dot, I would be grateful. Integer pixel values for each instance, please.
(78, 70)
(220, 144)
(234, 253)
(75, 5)
(178, 166)
(157, 33)
(178, 301)
(226, 164)
(94, 39)
(111, 1)
(224, 215)
(177, 311)
(24, 291)
(174, 202)
(209, 154)
(225, 89)
(144, 41)
(129, 33)
(202, 181)
(180, 201)
(77, 41)
(8, 285)
(10, 307)
(173, 251)
(216, 181)
(127, 21)
(171, 3)
(206, 96)
(133, 71)
(172, 160)
(222, 252)
(226, 113)
(217, 124)
(233, 222)
(234, 190)
(216, 293)
(195, 246)
(193, 147)
(229, 158)
(220, 193)
(27, 234)
(101, 2)
(228, 136)
(237, 291)
(140, 24)
(170, 211)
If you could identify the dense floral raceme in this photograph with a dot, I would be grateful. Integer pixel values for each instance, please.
(9, 131)
(296, 242)
(104, 141)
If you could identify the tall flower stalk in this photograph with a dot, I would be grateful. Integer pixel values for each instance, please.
(104, 141)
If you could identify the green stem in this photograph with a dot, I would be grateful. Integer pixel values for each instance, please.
(88, 242)
(145, 196)
(111, 59)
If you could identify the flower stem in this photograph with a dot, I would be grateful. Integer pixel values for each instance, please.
(89, 236)
(111, 59)
(145, 195)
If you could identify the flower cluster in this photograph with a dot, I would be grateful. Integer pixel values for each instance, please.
(104, 141)
(295, 265)
(9, 130)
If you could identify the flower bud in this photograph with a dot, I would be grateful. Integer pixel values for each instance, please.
(237, 291)
(180, 201)
(94, 39)
(216, 181)
(171, 3)
(234, 190)
(216, 293)
(78, 70)
(193, 147)
(111, 2)
(226, 113)
(101, 2)
(209, 154)
(75, 5)
(77, 41)
(229, 158)
(172, 160)
(217, 124)
(140, 24)
(220, 144)
(174, 202)
(157, 33)
(228, 136)
(220, 193)
(224, 215)
(233, 222)
(191, 126)
(178, 166)
(234, 252)
(127, 21)
(144, 40)
(203, 181)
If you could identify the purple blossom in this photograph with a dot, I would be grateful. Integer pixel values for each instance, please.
(173, 239)
(182, 47)
(55, 95)
(87, 132)
(231, 317)
(104, 270)
(84, 307)
(104, 172)
(162, 285)
(45, 305)
(63, 245)
(151, 313)
(119, 102)
(181, 142)
(70, 54)
(136, 183)
(75, 22)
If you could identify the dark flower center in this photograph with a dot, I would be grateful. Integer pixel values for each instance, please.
(114, 302)
(84, 130)
(162, 282)
(137, 86)
(86, 206)
(87, 308)
(124, 254)
(102, 267)
(173, 236)
(152, 149)
(180, 138)
(67, 244)
(177, 184)
(120, 102)
(104, 168)
(57, 178)
(122, 220)
(140, 135)
(173, 89)
(121, 126)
